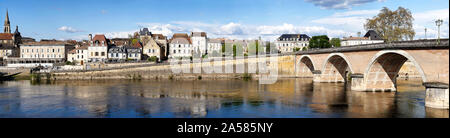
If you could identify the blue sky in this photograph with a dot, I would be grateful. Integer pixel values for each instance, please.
(240, 19)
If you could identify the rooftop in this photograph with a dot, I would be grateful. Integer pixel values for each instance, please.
(6, 36)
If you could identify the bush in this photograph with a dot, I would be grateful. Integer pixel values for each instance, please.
(70, 63)
(153, 59)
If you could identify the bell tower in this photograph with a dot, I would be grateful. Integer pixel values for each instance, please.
(7, 26)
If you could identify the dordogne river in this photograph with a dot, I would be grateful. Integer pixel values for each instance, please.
(288, 98)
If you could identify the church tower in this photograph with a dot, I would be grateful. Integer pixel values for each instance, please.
(7, 28)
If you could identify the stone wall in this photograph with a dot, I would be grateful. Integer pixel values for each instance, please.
(285, 69)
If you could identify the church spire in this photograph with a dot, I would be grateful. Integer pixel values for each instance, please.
(7, 27)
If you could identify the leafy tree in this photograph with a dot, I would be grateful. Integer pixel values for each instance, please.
(336, 42)
(304, 49)
(321, 41)
(296, 49)
(392, 25)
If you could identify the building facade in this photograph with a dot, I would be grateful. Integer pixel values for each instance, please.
(79, 55)
(7, 38)
(199, 42)
(180, 46)
(117, 54)
(371, 37)
(98, 48)
(215, 45)
(291, 42)
(41, 53)
(133, 53)
(152, 48)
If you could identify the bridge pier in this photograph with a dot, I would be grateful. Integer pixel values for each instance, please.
(437, 95)
(357, 80)
(316, 75)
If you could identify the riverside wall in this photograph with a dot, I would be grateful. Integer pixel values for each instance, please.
(284, 64)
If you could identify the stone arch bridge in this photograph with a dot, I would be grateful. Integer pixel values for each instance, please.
(375, 67)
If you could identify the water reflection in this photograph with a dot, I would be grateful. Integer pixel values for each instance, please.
(211, 99)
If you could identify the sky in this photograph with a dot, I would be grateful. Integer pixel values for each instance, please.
(234, 19)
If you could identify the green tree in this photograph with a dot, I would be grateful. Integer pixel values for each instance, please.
(321, 41)
(304, 49)
(336, 42)
(296, 49)
(392, 25)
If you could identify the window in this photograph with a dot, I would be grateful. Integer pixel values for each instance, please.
(96, 53)
(103, 53)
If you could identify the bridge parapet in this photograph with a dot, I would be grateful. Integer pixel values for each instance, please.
(404, 45)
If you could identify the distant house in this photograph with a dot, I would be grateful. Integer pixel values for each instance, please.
(45, 53)
(371, 37)
(133, 53)
(154, 48)
(215, 45)
(117, 53)
(180, 46)
(288, 42)
(98, 48)
(199, 41)
(120, 41)
(78, 55)
(162, 41)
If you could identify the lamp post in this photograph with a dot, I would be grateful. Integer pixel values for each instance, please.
(425, 33)
(439, 23)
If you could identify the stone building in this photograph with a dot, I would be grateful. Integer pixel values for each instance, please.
(98, 48)
(180, 46)
(41, 53)
(117, 54)
(289, 42)
(79, 55)
(7, 38)
(199, 41)
(371, 37)
(133, 53)
(154, 48)
(215, 45)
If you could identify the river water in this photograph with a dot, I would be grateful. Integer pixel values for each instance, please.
(288, 98)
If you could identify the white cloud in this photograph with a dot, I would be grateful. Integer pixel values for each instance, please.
(340, 4)
(427, 20)
(353, 21)
(68, 29)
(234, 30)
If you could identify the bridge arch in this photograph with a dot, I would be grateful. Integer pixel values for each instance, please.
(335, 68)
(305, 66)
(382, 70)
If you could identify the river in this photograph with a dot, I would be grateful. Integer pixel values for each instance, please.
(288, 98)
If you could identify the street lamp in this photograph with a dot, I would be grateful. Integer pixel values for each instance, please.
(425, 33)
(439, 23)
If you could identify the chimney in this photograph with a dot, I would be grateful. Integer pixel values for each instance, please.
(90, 37)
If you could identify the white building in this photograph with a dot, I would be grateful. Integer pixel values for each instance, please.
(78, 55)
(41, 54)
(289, 42)
(98, 48)
(215, 45)
(371, 37)
(199, 41)
(180, 46)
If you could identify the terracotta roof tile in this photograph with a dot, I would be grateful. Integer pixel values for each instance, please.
(6, 36)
